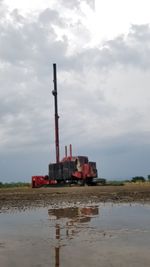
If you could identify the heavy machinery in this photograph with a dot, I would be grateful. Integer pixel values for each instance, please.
(71, 169)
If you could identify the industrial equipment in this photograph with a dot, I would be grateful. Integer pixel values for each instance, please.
(71, 169)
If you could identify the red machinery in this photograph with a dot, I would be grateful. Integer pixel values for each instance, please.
(71, 169)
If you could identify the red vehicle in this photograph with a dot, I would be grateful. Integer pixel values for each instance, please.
(71, 169)
(40, 181)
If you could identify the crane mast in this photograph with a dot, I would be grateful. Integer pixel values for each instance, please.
(54, 92)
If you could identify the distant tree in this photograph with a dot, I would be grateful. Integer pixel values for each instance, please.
(138, 179)
(148, 177)
(127, 181)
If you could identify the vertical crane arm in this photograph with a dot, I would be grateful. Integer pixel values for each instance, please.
(54, 92)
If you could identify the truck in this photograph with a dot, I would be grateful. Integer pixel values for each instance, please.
(70, 169)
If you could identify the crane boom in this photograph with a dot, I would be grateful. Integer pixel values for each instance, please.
(54, 92)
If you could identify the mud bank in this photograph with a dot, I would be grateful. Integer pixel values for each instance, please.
(22, 198)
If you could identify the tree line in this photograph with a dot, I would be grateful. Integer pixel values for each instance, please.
(14, 184)
(140, 179)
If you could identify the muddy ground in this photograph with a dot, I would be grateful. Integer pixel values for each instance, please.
(22, 198)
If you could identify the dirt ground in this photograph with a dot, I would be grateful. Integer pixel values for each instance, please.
(22, 198)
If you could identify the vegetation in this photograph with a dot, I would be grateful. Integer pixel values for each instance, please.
(138, 179)
(135, 179)
(12, 185)
(115, 182)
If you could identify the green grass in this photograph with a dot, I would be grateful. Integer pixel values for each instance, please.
(115, 182)
(14, 184)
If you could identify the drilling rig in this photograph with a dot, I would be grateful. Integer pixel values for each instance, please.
(71, 169)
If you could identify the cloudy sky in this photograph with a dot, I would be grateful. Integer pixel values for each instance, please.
(102, 53)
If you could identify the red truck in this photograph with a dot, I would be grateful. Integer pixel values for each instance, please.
(71, 169)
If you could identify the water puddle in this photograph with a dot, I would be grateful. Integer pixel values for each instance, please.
(82, 235)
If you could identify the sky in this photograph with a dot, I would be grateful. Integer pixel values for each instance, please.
(101, 49)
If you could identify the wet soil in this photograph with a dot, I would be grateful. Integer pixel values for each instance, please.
(22, 198)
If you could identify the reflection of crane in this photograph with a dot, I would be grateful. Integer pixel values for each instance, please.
(74, 216)
(57, 248)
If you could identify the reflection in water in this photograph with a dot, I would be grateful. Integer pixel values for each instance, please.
(73, 217)
(73, 237)
(57, 248)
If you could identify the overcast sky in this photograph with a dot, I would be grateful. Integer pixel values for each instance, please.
(102, 53)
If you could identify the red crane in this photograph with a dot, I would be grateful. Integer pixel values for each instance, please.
(71, 169)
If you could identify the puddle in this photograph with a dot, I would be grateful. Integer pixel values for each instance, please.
(94, 235)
